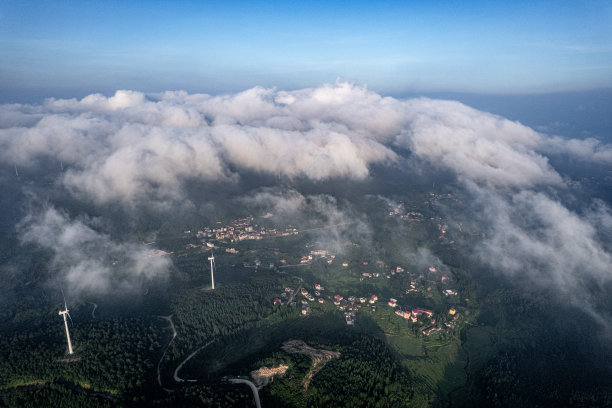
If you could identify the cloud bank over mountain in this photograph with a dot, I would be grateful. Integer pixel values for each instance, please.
(138, 150)
(130, 147)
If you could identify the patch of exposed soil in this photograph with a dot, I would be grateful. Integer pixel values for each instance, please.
(319, 357)
(262, 377)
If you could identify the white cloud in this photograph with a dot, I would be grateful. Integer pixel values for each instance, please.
(89, 261)
(145, 163)
(536, 239)
(590, 150)
(334, 223)
(131, 148)
(280, 203)
(533, 229)
(476, 145)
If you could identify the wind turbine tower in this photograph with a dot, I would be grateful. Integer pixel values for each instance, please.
(211, 258)
(64, 313)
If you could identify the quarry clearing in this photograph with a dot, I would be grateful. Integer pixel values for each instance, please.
(319, 357)
(262, 377)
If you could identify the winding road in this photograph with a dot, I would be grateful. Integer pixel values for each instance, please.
(176, 377)
(179, 380)
(250, 384)
(169, 319)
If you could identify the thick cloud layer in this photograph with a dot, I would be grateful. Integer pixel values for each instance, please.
(481, 147)
(130, 148)
(89, 261)
(137, 150)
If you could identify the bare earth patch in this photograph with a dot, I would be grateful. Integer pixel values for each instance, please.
(262, 377)
(319, 357)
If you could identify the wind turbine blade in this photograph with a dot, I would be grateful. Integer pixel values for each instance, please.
(65, 305)
(70, 319)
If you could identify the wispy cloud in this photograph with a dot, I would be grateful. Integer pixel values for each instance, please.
(333, 222)
(89, 261)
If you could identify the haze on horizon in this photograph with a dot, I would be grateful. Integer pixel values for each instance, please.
(73, 49)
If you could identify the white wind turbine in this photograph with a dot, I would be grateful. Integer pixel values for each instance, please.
(211, 258)
(64, 313)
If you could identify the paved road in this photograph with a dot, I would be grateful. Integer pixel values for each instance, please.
(297, 290)
(250, 384)
(176, 377)
(169, 319)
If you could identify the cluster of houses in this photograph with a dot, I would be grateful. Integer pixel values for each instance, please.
(451, 325)
(414, 286)
(414, 314)
(442, 228)
(239, 230)
(288, 293)
(433, 197)
(399, 210)
(442, 237)
(393, 271)
(311, 298)
(396, 270)
(352, 304)
(317, 254)
(349, 306)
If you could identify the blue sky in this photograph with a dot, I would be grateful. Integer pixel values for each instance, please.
(73, 48)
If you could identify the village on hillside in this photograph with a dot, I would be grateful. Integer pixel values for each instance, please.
(350, 305)
(418, 285)
(241, 229)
